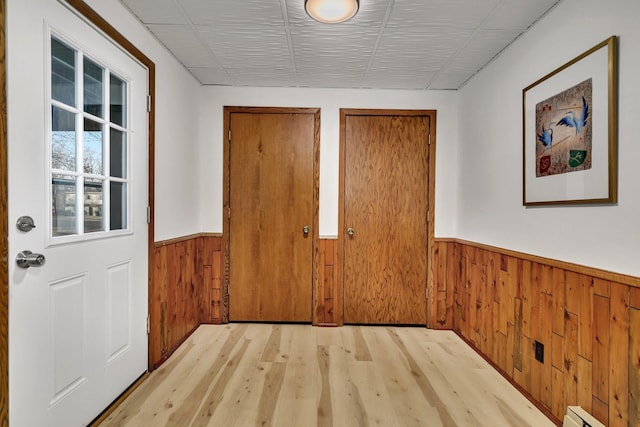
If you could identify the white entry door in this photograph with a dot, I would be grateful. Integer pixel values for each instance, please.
(78, 144)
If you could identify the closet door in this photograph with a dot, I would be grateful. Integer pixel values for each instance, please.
(385, 217)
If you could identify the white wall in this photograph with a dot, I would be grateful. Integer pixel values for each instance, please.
(177, 97)
(490, 207)
(329, 101)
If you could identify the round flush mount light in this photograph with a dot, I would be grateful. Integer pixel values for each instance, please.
(331, 11)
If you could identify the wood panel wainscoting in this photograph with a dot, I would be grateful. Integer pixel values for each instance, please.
(185, 293)
(588, 320)
(327, 303)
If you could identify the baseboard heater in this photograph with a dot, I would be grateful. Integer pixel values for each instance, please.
(578, 417)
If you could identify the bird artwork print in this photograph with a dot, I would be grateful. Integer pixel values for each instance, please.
(571, 120)
(563, 131)
(546, 136)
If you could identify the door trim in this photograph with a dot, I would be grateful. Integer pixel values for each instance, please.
(227, 188)
(86, 12)
(339, 286)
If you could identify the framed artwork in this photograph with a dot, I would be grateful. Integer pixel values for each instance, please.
(570, 131)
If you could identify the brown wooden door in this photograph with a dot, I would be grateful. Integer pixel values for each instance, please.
(271, 202)
(385, 204)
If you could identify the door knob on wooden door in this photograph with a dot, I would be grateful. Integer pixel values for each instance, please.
(350, 232)
(305, 230)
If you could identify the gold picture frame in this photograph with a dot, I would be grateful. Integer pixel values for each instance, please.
(570, 131)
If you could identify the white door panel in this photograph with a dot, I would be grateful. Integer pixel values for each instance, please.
(77, 325)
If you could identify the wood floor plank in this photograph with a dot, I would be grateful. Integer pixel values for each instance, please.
(249, 375)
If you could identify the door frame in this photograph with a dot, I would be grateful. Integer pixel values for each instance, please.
(90, 15)
(228, 110)
(430, 305)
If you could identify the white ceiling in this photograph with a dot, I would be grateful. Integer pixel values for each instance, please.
(389, 44)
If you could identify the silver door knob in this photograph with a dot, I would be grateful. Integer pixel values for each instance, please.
(351, 232)
(305, 230)
(26, 259)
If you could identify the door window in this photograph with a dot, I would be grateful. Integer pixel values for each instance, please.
(88, 147)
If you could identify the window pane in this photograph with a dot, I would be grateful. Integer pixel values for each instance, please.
(63, 139)
(118, 96)
(118, 158)
(92, 205)
(63, 205)
(118, 209)
(92, 88)
(92, 146)
(63, 73)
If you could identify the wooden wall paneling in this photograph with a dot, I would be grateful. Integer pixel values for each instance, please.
(459, 283)
(619, 356)
(585, 317)
(572, 286)
(450, 277)
(475, 297)
(602, 287)
(634, 298)
(585, 382)
(517, 344)
(634, 367)
(502, 292)
(487, 302)
(327, 304)
(571, 360)
(526, 298)
(338, 306)
(156, 308)
(514, 280)
(508, 366)
(536, 335)
(216, 287)
(557, 352)
(600, 411)
(601, 348)
(558, 407)
(211, 310)
(546, 336)
(438, 318)
(204, 278)
(588, 324)
(206, 296)
(186, 291)
(328, 283)
(318, 295)
(558, 294)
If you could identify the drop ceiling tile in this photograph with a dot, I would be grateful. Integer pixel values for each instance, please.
(481, 50)
(345, 49)
(449, 80)
(156, 12)
(211, 76)
(426, 50)
(185, 44)
(239, 13)
(237, 47)
(516, 14)
(449, 13)
(262, 76)
(396, 82)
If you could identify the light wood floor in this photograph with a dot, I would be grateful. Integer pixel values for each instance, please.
(298, 375)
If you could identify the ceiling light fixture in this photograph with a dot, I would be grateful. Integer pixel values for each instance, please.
(331, 11)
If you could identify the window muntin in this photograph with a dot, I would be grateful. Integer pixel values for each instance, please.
(88, 147)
